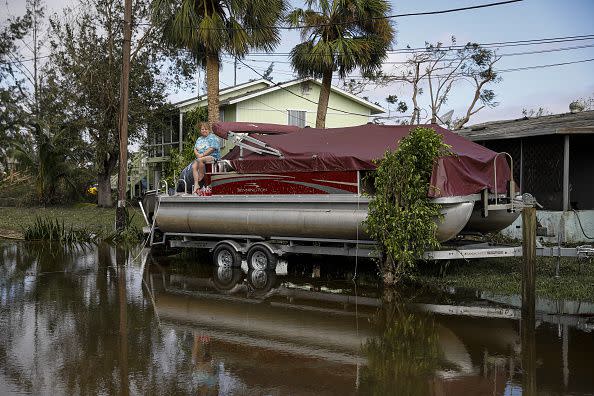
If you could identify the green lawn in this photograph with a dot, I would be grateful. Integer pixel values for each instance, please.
(89, 216)
(504, 276)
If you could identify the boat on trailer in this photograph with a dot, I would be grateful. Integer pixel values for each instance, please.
(309, 187)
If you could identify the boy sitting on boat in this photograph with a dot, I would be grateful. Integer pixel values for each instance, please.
(207, 150)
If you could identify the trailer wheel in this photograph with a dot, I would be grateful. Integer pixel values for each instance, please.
(260, 258)
(226, 278)
(261, 281)
(225, 255)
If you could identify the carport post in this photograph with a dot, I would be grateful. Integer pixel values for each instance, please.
(566, 174)
(181, 131)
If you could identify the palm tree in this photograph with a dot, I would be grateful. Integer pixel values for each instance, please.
(340, 35)
(46, 156)
(209, 28)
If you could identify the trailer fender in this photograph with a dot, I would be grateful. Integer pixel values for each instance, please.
(240, 247)
(271, 247)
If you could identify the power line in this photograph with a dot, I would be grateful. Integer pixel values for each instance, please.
(303, 97)
(25, 60)
(448, 60)
(503, 44)
(544, 66)
(498, 71)
(274, 108)
(409, 14)
(359, 77)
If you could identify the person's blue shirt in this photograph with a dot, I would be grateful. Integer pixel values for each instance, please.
(210, 141)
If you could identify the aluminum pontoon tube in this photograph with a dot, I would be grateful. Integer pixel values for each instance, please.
(308, 216)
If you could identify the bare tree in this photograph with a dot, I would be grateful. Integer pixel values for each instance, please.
(438, 69)
(480, 73)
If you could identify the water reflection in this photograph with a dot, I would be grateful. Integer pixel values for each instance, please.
(104, 320)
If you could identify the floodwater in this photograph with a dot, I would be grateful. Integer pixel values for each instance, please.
(107, 321)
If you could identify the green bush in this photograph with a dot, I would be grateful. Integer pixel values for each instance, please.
(401, 217)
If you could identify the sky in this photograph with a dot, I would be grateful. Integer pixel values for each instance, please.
(552, 88)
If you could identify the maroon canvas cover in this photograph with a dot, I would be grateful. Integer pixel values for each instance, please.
(222, 129)
(468, 171)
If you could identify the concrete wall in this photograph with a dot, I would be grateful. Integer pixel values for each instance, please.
(558, 223)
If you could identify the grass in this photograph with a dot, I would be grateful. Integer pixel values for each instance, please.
(54, 230)
(504, 276)
(13, 221)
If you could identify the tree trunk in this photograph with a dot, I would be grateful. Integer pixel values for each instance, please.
(104, 191)
(212, 87)
(323, 100)
(416, 109)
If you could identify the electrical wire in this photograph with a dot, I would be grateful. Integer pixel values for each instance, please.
(300, 96)
(360, 77)
(580, 223)
(276, 109)
(450, 59)
(501, 44)
(409, 14)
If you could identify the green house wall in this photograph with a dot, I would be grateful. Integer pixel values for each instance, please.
(272, 107)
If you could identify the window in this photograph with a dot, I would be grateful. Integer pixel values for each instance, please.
(163, 136)
(297, 118)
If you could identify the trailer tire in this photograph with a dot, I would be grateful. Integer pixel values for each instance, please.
(261, 258)
(225, 255)
(261, 281)
(226, 278)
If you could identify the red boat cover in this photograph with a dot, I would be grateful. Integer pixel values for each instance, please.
(222, 129)
(468, 171)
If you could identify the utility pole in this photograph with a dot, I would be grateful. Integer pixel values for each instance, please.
(235, 72)
(528, 323)
(123, 124)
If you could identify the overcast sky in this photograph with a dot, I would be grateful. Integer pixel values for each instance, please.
(553, 88)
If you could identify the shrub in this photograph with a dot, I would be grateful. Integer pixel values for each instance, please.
(402, 218)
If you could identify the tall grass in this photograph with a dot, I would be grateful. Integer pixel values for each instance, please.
(53, 230)
(131, 234)
(56, 231)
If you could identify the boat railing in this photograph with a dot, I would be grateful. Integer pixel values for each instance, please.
(259, 148)
(163, 182)
(511, 187)
(511, 181)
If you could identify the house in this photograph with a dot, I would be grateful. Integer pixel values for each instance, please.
(552, 160)
(289, 103)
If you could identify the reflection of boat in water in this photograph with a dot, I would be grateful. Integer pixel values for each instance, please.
(286, 183)
(292, 328)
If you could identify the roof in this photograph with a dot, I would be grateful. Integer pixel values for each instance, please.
(557, 124)
(375, 109)
(190, 101)
(469, 171)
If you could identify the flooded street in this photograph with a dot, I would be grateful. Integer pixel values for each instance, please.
(100, 320)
